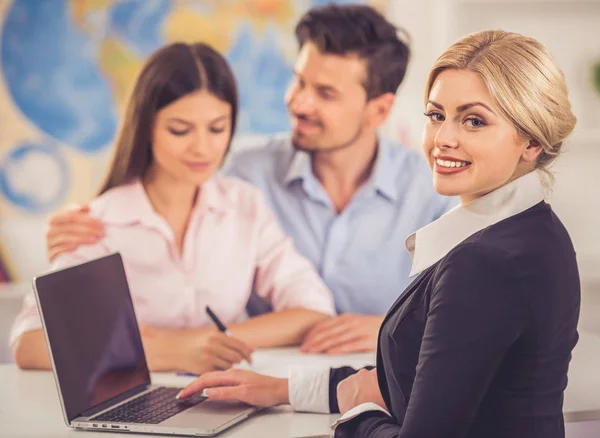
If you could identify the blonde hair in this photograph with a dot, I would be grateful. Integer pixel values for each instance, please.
(523, 79)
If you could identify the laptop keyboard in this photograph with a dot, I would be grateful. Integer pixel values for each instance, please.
(151, 408)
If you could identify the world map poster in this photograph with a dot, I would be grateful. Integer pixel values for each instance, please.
(67, 66)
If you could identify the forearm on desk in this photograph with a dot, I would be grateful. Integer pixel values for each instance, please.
(166, 348)
(277, 329)
(30, 351)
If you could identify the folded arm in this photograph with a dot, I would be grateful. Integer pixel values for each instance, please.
(281, 328)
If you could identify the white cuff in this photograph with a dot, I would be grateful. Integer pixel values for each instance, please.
(309, 388)
(356, 411)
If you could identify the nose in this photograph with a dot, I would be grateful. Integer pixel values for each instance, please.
(199, 142)
(301, 102)
(447, 136)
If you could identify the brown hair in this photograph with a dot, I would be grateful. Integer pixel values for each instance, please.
(169, 74)
(523, 79)
(362, 31)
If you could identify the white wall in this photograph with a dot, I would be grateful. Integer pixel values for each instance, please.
(567, 27)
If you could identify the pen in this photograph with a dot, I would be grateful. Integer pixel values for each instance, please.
(221, 328)
(217, 321)
(220, 325)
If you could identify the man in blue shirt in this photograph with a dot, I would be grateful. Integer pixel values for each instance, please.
(346, 196)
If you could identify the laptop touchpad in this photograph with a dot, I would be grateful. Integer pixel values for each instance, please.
(209, 414)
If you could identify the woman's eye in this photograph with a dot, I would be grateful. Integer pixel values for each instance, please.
(178, 132)
(434, 116)
(217, 130)
(474, 122)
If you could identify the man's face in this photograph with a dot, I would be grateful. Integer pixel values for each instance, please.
(327, 101)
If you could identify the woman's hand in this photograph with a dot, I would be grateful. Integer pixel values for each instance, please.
(359, 388)
(192, 351)
(245, 386)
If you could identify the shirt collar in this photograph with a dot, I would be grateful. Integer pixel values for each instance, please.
(431, 243)
(300, 168)
(383, 177)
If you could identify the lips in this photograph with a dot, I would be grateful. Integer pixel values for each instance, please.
(303, 126)
(449, 165)
(198, 165)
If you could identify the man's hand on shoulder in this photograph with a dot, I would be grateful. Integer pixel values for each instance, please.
(71, 228)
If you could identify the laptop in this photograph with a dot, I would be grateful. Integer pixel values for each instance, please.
(99, 364)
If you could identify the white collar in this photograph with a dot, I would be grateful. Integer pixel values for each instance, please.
(431, 243)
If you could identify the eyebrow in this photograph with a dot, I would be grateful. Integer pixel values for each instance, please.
(327, 89)
(322, 87)
(185, 122)
(464, 107)
(178, 120)
(218, 119)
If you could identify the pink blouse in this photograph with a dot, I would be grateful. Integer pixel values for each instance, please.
(233, 245)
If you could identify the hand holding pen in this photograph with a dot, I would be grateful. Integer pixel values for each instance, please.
(226, 349)
(217, 321)
(221, 326)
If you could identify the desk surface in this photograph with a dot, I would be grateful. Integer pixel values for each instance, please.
(29, 405)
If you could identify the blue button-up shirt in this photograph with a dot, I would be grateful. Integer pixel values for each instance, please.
(360, 252)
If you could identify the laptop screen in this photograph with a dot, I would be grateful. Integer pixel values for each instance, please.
(93, 333)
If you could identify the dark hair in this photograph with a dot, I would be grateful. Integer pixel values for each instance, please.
(169, 74)
(360, 30)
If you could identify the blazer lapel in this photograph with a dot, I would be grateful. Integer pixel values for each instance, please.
(410, 290)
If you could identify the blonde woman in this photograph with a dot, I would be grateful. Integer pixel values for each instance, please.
(479, 344)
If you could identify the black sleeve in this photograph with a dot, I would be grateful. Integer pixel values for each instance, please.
(476, 313)
(336, 375)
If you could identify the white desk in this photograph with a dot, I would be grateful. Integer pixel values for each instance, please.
(25, 395)
(11, 299)
(29, 404)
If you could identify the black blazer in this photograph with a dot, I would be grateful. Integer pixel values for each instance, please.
(479, 344)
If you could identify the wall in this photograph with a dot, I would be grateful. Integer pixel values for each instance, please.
(66, 68)
(566, 27)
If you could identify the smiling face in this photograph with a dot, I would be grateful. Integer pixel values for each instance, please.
(190, 137)
(327, 101)
(470, 147)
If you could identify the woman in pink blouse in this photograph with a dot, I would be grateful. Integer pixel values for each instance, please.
(188, 237)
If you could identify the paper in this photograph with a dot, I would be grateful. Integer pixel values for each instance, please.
(276, 362)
